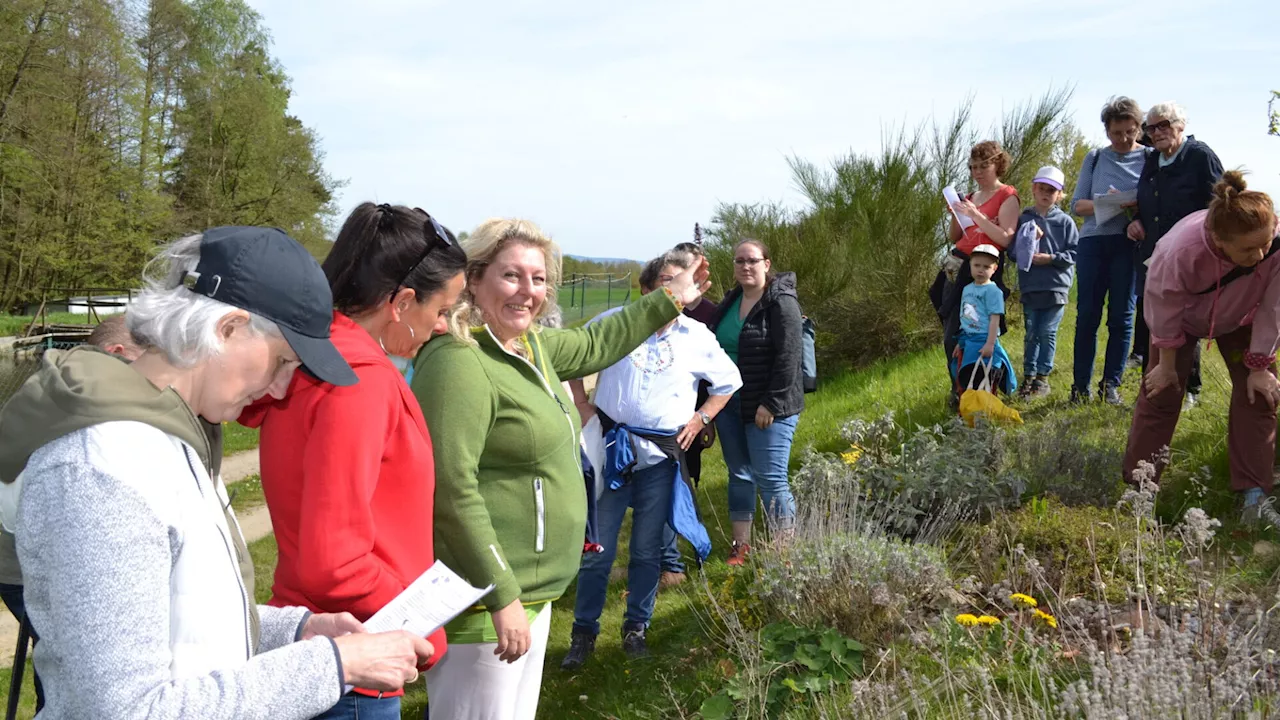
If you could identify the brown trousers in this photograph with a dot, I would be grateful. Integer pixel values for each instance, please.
(1251, 427)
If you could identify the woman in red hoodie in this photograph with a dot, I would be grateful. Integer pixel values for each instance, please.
(348, 472)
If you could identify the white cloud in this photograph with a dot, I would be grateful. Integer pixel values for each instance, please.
(618, 126)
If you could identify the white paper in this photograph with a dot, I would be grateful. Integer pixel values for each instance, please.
(953, 199)
(1107, 205)
(436, 597)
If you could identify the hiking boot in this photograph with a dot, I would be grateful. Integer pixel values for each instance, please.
(1040, 387)
(581, 645)
(1111, 395)
(670, 579)
(633, 643)
(738, 554)
(1079, 397)
(1268, 515)
(1190, 401)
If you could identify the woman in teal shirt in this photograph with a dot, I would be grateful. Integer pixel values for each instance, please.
(759, 325)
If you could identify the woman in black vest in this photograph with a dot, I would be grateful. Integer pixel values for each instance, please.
(759, 325)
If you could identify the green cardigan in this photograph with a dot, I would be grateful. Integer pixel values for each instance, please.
(511, 504)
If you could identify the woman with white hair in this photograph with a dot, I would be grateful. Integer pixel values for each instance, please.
(137, 576)
(511, 504)
(1177, 180)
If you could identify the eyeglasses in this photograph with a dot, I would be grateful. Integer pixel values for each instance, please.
(980, 165)
(747, 262)
(1162, 126)
(436, 237)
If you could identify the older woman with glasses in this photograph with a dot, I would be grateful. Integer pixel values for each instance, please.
(1105, 255)
(1177, 180)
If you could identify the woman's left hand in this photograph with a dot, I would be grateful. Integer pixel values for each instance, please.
(331, 625)
(689, 285)
(967, 208)
(764, 418)
(1263, 383)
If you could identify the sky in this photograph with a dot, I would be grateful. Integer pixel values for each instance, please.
(618, 126)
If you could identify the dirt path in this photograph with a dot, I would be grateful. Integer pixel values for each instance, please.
(256, 524)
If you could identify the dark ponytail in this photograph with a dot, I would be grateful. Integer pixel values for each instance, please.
(382, 248)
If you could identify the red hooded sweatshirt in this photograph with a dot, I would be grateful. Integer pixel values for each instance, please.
(349, 478)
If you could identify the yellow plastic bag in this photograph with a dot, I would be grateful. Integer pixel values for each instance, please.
(980, 401)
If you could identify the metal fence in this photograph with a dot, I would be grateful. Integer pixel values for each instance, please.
(582, 297)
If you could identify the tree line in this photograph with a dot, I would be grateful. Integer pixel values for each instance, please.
(125, 123)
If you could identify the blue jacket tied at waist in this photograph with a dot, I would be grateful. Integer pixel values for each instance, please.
(620, 460)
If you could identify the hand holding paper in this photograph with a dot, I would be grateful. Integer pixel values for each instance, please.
(953, 199)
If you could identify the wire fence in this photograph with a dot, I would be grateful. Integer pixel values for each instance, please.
(583, 297)
(15, 368)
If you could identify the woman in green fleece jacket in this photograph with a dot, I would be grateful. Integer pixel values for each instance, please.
(510, 498)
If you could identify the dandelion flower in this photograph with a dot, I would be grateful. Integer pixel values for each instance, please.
(851, 457)
(1048, 619)
(1023, 600)
(967, 620)
(988, 620)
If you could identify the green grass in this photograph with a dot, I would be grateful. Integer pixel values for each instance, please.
(27, 699)
(17, 324)
(247, 494)
(237, 438)
(577, 308)
(914, 387)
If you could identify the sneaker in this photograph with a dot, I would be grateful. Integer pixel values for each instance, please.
(1267, 513)
(738, 554)
(1111, 395)
(1040, 387)
(1190, 401)
(581, 645)
(633, 643)
(670, 579)
(1079, 397)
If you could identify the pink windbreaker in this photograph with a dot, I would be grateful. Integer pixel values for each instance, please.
(1186, 264)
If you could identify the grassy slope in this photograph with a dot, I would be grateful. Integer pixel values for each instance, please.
(685, 655)
(16, 324)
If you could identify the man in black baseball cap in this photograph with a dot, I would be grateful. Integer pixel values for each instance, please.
(266, 272)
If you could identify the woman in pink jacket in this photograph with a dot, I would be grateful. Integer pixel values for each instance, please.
(1216, 275)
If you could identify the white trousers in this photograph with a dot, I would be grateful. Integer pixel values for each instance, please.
(471, 683)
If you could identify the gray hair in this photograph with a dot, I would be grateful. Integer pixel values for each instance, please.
(1170, 111)
(551, 316)
(170, 318)
(1121, 107)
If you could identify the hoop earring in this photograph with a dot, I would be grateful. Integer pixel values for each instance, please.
(412, 336)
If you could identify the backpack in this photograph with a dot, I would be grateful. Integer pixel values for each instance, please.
(808, 354)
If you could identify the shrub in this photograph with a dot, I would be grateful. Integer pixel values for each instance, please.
(1059, 457)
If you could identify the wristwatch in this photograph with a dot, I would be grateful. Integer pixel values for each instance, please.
(706, 419)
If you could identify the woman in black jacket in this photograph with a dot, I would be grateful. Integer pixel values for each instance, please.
(1176, 181)
(758, 325)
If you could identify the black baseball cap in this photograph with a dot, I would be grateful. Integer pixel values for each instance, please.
(268, 273)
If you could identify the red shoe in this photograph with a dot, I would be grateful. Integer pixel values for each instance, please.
(738, 554)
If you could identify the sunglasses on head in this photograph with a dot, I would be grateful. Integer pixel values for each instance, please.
(436, 237)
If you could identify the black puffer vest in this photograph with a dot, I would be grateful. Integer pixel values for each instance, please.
(769, 349)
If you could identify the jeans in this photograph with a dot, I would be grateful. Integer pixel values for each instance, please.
(757, 461)
(648, 494)
(1105, 268)
(672, 560)
(12, 597)
(353, 706)
(1042, 339)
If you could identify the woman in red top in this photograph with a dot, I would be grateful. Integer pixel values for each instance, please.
(348, 472)
(994, 210)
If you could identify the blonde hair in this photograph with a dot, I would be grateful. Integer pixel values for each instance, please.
(482, 246)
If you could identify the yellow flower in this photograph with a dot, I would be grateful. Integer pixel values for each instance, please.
(988, 620)
(1023, 600)
(851, 457)
(967, 620)
(1048, 619)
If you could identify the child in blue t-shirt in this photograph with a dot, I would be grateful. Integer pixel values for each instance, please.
(981, 306)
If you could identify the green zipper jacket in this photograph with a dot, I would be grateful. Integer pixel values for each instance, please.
(511, 505)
